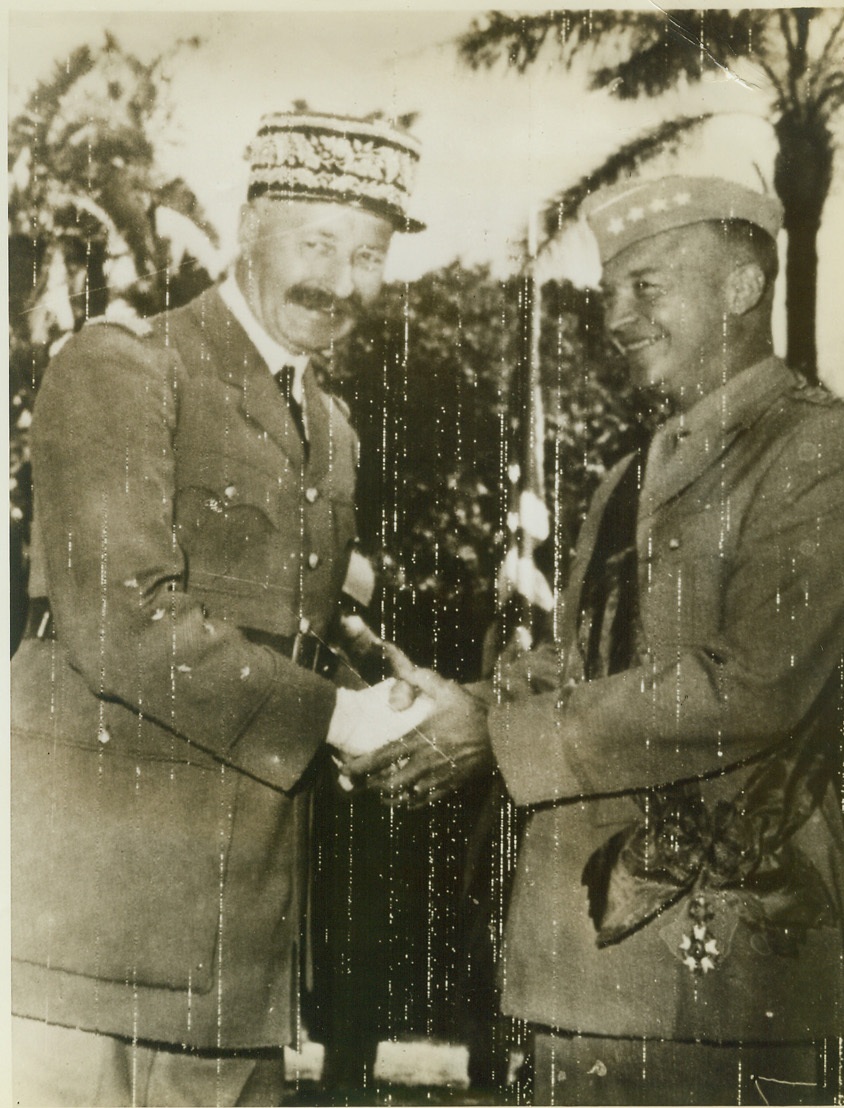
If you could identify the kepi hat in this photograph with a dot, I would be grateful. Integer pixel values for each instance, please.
(313, 156)
(623, 214)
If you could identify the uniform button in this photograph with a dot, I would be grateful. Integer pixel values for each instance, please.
(311, 495)
(313, 560)
(673, 544)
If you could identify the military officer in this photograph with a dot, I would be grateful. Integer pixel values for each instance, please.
(194, 513)
(675, 931)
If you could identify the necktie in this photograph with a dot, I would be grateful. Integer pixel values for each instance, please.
(608, 629)
(284, 379)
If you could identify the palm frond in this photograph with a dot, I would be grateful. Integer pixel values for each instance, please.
(681, 45)
(30, 127)
(831, 99)
(179, 196)
(657, 48)
(521, 38)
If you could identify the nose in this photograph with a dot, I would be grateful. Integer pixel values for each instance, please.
(618, 313)
(340, 278)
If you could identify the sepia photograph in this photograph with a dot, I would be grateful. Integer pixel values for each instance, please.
(426, 531)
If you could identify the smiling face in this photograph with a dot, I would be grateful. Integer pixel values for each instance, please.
(671, 306)
(308, 270)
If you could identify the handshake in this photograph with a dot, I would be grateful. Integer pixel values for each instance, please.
(413, 738)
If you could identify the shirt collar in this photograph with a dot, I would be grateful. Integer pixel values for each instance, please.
(274, 354)
(736, 403)
(689, 442)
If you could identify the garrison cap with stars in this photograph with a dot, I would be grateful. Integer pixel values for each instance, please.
(621, 215)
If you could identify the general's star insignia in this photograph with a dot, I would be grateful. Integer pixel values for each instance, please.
(635, 214)
(615, 226)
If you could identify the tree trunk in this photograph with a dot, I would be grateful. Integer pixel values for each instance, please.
(802, 175)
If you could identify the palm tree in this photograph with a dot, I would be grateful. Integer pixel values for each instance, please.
(798, 52)
(85, 193)
(87, 228)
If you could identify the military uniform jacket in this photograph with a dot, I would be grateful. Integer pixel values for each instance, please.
(159, 809)
(682, 869)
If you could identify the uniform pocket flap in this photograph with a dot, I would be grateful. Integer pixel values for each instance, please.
(246, 603)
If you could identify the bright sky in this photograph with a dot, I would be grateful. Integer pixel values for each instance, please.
(495, 144)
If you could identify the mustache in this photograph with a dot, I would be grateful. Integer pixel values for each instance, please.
(317, 299)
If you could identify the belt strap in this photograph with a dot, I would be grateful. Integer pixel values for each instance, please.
(304, 648)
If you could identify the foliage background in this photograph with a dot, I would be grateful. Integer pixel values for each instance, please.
(429, 382)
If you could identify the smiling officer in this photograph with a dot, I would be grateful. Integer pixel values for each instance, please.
(194, 513)
(675, 929)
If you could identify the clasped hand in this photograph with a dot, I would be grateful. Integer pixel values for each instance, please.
(445, 747)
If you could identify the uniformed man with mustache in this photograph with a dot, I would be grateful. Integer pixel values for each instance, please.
(194, 516)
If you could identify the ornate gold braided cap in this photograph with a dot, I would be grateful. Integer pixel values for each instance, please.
(312, 156)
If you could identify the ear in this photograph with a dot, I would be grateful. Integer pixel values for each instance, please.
(247, 228)
(745, 287)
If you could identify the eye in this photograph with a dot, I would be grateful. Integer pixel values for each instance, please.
(370, 259)
(320, 247)
(647, 288)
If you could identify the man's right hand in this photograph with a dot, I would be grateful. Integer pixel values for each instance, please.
(369, 718)
(437, 756)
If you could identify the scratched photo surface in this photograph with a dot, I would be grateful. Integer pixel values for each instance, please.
(456, 718)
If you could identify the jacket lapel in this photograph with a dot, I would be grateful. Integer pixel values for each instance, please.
(683, 450)
(712, 426)
(243, 369)
(673, 464)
